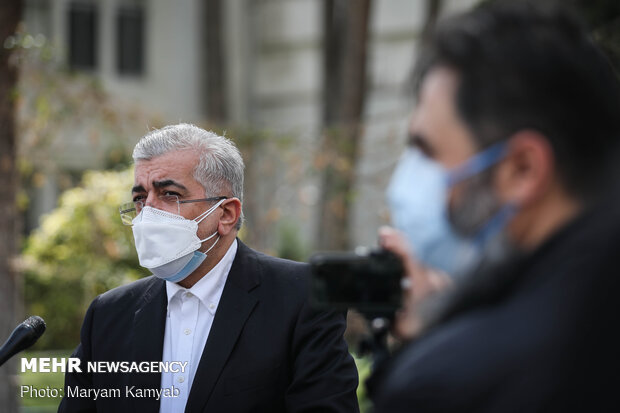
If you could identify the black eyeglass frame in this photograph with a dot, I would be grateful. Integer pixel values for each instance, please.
(124, 211)
(211, 199)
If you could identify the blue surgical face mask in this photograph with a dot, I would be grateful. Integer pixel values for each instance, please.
(418, 200)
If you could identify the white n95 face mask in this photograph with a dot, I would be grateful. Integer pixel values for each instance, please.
(167, 244)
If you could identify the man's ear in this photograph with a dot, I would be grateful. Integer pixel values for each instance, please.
(230, 216)
(528, 171)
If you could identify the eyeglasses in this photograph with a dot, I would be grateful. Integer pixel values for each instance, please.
(168, 203)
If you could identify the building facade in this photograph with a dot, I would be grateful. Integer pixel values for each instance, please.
(150, 53)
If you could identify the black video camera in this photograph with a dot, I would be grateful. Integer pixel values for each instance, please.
(368, 280)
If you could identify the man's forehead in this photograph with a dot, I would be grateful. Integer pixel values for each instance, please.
(437, 98)
(173, 168)
(436, 124)
(440, 79)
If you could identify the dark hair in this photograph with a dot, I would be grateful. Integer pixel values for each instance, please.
(522, 66)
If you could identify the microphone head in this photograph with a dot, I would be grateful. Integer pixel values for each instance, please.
(24, 336)
(37, 324)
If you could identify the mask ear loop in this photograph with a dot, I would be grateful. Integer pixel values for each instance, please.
(477, 163)
(212, 245)
(495, 224)
(208, 212)
(202, 216)
(209, 237)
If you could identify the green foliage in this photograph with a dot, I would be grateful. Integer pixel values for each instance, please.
(364, 367)
(80, 250)
(290, 245)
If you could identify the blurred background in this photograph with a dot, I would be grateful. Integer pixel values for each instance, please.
(315, 93)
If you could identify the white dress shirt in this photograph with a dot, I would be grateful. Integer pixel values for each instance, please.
(188, 323)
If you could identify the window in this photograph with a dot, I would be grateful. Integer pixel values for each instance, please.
(82, 36)
(130, 39)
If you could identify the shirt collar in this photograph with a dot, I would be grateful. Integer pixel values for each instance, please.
(209, 288)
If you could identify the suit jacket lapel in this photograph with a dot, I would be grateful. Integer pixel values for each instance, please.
(235, 306)
(148, 340)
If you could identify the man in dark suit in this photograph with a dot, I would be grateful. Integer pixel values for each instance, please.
(518, 117)
(238, 321)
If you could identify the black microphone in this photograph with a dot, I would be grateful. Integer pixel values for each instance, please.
(24, 335)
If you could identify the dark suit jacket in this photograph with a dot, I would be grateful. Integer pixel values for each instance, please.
(267, 351)
(536, 334)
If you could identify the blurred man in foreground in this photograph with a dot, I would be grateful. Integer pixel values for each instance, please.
(513, 144)
(239, 320)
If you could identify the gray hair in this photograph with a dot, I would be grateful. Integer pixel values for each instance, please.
(220, 166)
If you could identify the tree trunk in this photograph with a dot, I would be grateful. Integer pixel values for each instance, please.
(344, 90)
(10, 14)
(433, 8)
(334, 20)
(215, 63)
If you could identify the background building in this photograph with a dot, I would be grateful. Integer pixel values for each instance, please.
(153, 54)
